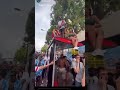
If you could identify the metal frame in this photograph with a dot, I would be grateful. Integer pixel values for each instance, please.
(53, 74)
(54, 46)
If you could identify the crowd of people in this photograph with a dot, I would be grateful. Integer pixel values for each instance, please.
(67, 73)
(102, 79)
(15, 77)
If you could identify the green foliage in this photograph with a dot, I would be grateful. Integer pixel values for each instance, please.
(103, 7)
(68, 9)
(44, 48)
(20, 55)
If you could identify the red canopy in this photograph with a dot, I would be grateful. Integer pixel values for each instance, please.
(106, 43)
(67, 41)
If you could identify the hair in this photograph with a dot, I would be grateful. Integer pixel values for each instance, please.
(118, 65)
(77, 55)
(92, 71)
(101, 69)
(66, 63)
(3, 73)
(90, 9)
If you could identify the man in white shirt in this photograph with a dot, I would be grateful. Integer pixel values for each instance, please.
(61, 26)
(79, 69)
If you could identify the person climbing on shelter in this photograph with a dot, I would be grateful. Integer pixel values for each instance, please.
(93, 29)
(61, 26)
(73, 37)
(55, 33)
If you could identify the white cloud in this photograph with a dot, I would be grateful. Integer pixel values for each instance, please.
(42, 21)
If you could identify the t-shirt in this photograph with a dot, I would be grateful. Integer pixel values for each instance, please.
(17, 85)
(4, 84)
(79, 75)
(39, 63)
(46, 60)
(61, 24)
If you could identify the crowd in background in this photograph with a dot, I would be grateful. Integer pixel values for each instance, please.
(103, 79)
(15, 77)
(67, 73)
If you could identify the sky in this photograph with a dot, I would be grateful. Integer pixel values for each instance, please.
(42, 21)
(12, 25)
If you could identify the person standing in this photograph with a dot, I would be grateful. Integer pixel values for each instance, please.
(79, 70)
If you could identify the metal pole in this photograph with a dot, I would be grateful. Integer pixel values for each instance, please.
(50, 43)
(53, 75)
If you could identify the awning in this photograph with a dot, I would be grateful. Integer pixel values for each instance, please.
(67, 41)
(111, 24)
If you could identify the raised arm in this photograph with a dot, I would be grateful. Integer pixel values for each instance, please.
(76, 66)
(43, 67)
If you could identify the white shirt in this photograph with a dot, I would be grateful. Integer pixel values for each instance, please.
(79, 75)
(61, 24)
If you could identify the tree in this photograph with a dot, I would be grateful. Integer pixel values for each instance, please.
(103, 7)
(30, 27)
(70, 10)
(20, 55)
(44, 48)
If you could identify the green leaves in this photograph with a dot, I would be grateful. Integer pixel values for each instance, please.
(30, 27)
(68, 9)
(20, 55)
(103, 7)
(44, 48)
